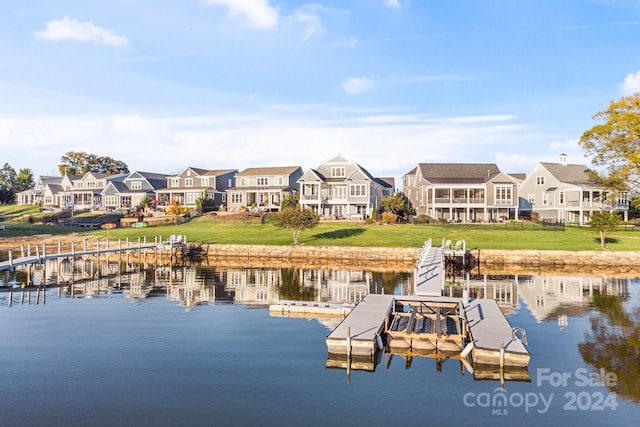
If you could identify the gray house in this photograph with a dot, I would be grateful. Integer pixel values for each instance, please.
(566, 192)
(126, 194)
(462, 192)
(192, 183)
(341, 189)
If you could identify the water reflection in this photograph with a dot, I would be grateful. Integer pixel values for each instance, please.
(612, 343)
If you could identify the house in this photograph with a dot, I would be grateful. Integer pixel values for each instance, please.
(128, 193)
(340, 188)
(193, 183)
(566, 192)
(35, 195)
(86, 192)
(263, 187)
(462, 192)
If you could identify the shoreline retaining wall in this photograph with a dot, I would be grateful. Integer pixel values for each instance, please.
(405, 258)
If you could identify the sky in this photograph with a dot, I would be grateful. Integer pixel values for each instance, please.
(229, 84)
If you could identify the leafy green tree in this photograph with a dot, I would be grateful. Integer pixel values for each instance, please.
(145, 202)
(24, 180)
(397, 204)
(79, 163)
(603, 222)
(615, 144)
(203, 201)
(296, 220)
(290, 201)
(7, 183)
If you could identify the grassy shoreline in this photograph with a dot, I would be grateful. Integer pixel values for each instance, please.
(508, 236)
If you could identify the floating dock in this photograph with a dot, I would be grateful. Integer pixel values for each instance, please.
(360, 333)
(430, 324)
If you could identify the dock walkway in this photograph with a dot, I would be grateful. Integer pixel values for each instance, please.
(41, 255)
(429, 272)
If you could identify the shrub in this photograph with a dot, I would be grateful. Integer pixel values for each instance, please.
(389, 218)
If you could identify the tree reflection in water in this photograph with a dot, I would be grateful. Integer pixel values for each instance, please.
(614, 344)
(292, 287)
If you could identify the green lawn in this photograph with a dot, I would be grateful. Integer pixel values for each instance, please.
(517, 236)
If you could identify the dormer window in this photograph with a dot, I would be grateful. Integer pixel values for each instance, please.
(338, 172)
(540, 180)
(188, 182)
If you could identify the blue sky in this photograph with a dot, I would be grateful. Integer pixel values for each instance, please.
(221, 84)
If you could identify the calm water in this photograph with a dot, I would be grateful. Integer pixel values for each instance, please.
(169, 348)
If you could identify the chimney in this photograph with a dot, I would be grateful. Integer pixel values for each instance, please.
(563, 159)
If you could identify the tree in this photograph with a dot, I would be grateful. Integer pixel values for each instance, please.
(204, 201)
(398, 205)
(145, 202)
(604, 222)
(290, 201)
(175, 210)
(24, 180)
(79, 163)
(7, 184)
(296, 220)
(615, 144)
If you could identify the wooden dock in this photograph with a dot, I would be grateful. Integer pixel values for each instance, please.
(360, 333)
(288, 308)
(39, 254)
(429, 277)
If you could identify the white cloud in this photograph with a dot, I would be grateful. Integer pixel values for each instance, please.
(357, 85)
(71, 29)
(631, 84)
(257, 13)
(392, 3)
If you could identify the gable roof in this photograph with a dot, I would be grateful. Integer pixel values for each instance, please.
(570, 174)
(476, 173)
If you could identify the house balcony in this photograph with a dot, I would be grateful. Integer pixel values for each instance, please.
(459, 200)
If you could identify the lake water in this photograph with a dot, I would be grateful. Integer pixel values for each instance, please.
(197, 346)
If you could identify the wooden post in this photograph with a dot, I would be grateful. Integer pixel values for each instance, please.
(349, 342)
(59, 247)
(502, 354)
(10, 260)
(84, 245)
(44, 251)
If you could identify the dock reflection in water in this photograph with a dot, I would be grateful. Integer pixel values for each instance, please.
(229, 355)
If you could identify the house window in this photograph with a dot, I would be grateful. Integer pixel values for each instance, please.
(135, 185)
(191, 197)
(78, 185)
(236, 198)
(111, 200)
(503, 195)
(244, 182)
(262, 181)
(540, 180)
(224, 197)
(91, 184)
(204, 182)
(561, 198)
(175, 182)
(278, 180)
(531, 198)
(358, 190)
(338, 172)
(545, 199)
(188, 182)
(125, 202)
(339, 192)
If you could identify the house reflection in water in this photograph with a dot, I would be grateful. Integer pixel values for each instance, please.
(546, 296)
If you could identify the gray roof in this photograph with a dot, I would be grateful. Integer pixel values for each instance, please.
(459, 172)
(570, 174)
